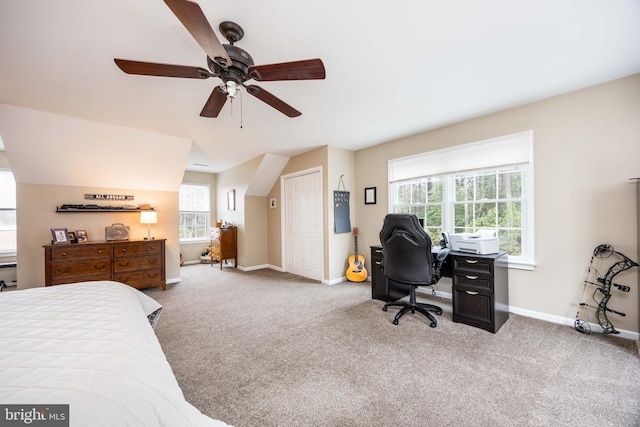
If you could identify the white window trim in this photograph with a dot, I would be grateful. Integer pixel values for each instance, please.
(197, 239)
(512, 149)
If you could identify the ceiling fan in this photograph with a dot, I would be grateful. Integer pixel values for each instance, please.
(234, 66)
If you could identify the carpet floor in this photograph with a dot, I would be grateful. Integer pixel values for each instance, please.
(266, 348)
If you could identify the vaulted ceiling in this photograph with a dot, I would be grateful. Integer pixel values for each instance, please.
(392, 68)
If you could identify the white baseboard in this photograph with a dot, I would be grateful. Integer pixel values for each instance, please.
(544, 316)
(253, 267)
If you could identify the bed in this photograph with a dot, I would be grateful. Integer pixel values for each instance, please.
(90, 345)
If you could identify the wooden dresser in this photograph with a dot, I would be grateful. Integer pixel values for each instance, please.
(224, 246)
(138, 263)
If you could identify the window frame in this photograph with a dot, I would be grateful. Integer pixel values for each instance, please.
(524, 261)
(195, 212)
(10, 252)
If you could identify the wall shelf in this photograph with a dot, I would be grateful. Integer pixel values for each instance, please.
(95, 208)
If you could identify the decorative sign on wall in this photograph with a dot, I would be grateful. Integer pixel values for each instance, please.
(107, 197)
(341, 211)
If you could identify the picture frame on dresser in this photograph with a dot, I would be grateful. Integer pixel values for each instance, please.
(82, 236)
(72, 237)
(60, 235)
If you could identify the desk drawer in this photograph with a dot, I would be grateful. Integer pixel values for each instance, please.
(474, 280)
(474, 306)
(474, 265)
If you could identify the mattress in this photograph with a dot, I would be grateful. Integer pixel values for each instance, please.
(90, 345)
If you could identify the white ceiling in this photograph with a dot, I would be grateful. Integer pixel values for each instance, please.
(393, 68)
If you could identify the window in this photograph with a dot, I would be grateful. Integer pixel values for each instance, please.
(194, 212)
(8, 240)
(496, 194)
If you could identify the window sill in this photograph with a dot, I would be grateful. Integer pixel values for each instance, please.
(522, 265)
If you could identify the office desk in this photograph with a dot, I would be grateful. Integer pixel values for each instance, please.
(479, 287)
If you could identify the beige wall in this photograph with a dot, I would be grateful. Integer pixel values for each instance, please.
(339, 246)
(191, 251)
(255, 230)
(311, 159)
(36, 206)
(335, 162)
(586, 147)
(238, 178)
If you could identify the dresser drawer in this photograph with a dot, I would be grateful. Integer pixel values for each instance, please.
(80, 251)
(136, 263)
(140, 278)
(124, 250)
(84, 278)
(71, 270)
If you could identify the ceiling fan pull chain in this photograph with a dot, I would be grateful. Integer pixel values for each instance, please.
(240, 92)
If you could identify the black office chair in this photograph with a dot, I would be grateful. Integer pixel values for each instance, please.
(407, 259)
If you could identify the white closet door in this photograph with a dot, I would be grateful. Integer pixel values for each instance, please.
(303, 225)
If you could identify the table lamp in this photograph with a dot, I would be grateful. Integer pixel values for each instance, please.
(148, 217)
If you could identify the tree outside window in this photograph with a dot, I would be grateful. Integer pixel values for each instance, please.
(194, 215)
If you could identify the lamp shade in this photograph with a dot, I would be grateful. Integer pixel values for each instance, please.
(148, 217)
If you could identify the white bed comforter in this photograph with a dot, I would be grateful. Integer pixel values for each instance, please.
(90, 345)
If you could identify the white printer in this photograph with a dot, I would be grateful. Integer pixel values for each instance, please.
(482, 242)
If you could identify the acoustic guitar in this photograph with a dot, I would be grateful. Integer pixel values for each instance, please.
(356, 271)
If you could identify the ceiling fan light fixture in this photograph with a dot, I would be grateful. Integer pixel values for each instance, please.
(231, 89)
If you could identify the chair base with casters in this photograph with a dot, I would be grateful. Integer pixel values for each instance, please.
(414, 306)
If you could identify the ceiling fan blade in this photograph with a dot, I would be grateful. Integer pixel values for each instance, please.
(215, 103)
(310, 69)
(193, 19)
(162, 70)
(270, 99)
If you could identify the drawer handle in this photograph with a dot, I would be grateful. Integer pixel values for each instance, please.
(378, 262)
(471, 261)
(153, 261)
(124, 250)
(64, 254)
(471, 293)
(152, 276)
(123, 264)
(471, 277)
(100, 266)
(378, 251)
(64, 270)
